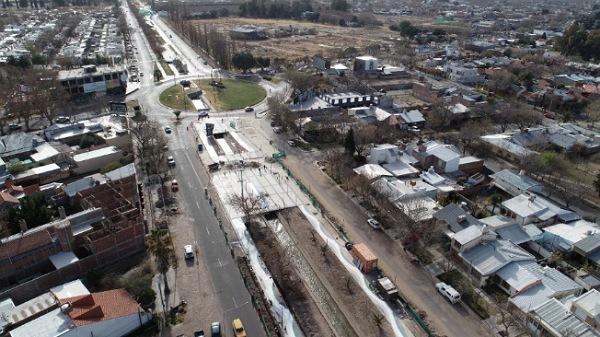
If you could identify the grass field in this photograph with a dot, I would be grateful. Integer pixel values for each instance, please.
(175, 98)
(166, 68)
(235, 95)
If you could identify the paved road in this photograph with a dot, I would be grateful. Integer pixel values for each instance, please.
(227, 284)
(413, 282)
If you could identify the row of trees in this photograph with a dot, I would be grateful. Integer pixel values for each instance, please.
(246, 61)
(151, 35)
(275, 9)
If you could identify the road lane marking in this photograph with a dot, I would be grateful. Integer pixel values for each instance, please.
(207, 232)
(220, 264)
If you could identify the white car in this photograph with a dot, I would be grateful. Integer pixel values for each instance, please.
(291, 143)
(188, 252)
(171, 161)
(448, 292)
(374, 223)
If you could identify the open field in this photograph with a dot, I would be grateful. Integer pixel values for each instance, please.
(236, 94)
(174, 97)
(329, 41)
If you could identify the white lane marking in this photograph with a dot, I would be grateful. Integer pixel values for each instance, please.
(207, 232)
(220, 264)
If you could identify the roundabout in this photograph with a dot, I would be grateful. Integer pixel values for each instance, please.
(230, 95)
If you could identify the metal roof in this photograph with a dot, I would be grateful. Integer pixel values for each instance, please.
(520, 181)
(514, 233)
(450, 214)
(588, 244)
(490, 256)
(556, 317)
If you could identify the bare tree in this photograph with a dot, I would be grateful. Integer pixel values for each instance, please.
(150, 144)
(251, 206)
(280, 113)
(364, 136)
(506, 317)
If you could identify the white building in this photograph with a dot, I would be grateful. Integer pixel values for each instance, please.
(110, 313)
(96, 159)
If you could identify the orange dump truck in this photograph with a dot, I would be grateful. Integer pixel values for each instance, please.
(363, 258)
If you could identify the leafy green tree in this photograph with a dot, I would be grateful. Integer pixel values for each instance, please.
(161, 247)
(15, 167)
(88, 141)
(146, 298)
(243, 61)
(349, 142)
(34, 210)
(340, 5)
(406, 29)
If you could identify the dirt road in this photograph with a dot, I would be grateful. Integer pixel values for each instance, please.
(415, 284)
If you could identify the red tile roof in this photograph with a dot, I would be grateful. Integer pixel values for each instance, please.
(101, 306)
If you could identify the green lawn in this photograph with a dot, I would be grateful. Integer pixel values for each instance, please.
(175, 98)
(235, 95)
(166, 68)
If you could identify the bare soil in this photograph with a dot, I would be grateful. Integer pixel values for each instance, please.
(355, 304)
(295, 294)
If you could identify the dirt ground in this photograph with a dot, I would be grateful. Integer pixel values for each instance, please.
(357, 307)
(296, 296)
(328, 40)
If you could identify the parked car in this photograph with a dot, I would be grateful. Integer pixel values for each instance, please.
(203, 113)
(249, 109)
(238, 328)
(188, 253)
(174, 186)
(374, 223)
(168, 129)
(447, 291)
(291, 143)
(15, 126)
(199, 333)
(277, 130)
(215, 329)
(62, 119)
(171, 161)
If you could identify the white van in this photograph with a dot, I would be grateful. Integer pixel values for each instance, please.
(447, 291)
(188, 252)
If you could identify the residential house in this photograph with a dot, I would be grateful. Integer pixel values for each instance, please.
(530, 284)
(372, 171)
(588, 248)
(443, 157)
(455, 218)
(18, 145)
(368, 115)
(483, 255)
(112, 313)
(394, 160)
(587, 308)
(515, 183)
(564, 236)
(462, 74)
(553, 319)
(414, 197)
(529, 208)
(412, 118)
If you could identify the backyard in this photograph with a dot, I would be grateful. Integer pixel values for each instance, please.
(233, 96)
